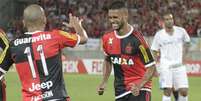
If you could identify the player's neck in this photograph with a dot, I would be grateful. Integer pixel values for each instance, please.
(124, 30)
(33, 29)
(169, 30)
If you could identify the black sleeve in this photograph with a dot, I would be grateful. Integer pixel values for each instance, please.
(5, 62)
(5, 55)
(146, 56)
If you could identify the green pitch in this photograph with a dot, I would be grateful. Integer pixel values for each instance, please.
(83, 88)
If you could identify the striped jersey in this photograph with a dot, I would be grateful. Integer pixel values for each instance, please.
(130, 55)
(4, 44)
(37, 57)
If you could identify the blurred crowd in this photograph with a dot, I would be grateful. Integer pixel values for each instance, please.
(144, 15)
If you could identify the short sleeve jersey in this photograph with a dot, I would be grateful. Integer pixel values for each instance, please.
(37, 57)
(130, 55)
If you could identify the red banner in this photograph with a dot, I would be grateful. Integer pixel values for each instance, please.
(94, 66)
(193, 68)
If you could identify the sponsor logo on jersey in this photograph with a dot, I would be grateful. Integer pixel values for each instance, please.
(41, 37)
(43, 96)
(121, 61)
(44, 85)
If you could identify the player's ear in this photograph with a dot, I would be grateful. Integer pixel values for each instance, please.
(125, 14)
(44, 20)
(125, 18)
(24, 25)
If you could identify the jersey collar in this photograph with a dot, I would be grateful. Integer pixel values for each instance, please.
(31, 33)
(124, 36)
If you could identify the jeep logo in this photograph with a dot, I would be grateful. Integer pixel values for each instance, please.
(44, 85)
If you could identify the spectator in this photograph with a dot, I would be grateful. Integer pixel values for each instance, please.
(143, 14)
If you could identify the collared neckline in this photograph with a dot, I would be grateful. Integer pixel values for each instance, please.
(31, 33)
(126, 35)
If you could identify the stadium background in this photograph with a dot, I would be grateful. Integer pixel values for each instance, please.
(82, 65)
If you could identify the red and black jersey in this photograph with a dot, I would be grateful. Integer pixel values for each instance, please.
(4, 44)
(130, 55)
(37, 57)
(3, 41)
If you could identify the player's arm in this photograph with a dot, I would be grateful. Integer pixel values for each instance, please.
(156, 55)
(155, 47)
(186, 45)
(107, 68)
(71, 39)
(147, 77)
(76, 23)
(148, 60)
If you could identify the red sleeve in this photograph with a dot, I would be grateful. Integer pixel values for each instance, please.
(104, 44)
(141, 39)
(67, 39)
(105, 50)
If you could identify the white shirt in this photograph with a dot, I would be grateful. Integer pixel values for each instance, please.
(170, 46)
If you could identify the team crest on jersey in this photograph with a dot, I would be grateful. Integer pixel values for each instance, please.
(110, 41)
(128, 48)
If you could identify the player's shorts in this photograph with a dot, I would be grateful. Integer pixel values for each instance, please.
(173, 77)
(144, 96)
(64, 99)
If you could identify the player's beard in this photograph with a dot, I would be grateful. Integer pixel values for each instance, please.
(169, 26)
(119, 26)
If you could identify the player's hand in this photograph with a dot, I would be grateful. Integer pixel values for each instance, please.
(101, 88)
(74, 22)
(135, 89)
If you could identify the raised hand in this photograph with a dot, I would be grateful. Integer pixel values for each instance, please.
(74, 22)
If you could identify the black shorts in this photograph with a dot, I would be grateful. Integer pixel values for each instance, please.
(144, 96)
